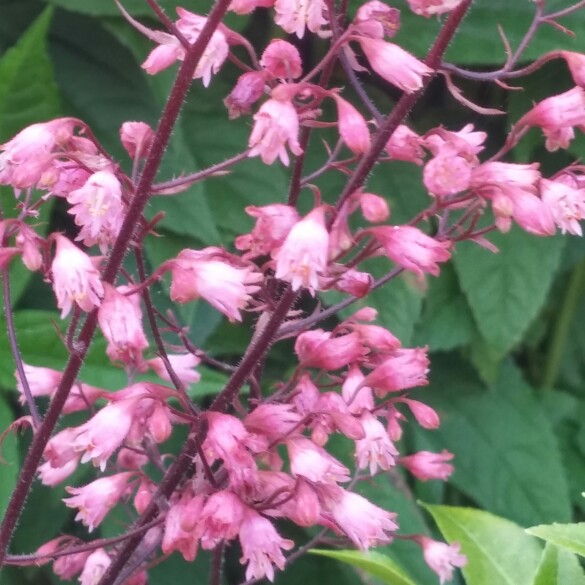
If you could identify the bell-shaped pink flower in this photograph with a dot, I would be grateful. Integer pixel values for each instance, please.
(319, 349)
(406, 145)
(303, 256)
(566, 204)
(354, 282)
(412, 249)
(431, 7)
(53, 476)
(282, 60)
(75, 278)
(221, 519)
(406, 368)
(98, 210)
(175, 536)
(262, 546)
(30, 245)
(377, 20)
(120, 320)
(248, 90)
(95, 567)
(41, 381)
(314, 463)
(163, 56)
(442, 558)
(275, 125)
(425, 465)
(182, 364)
(576, 64)
(210, 274)
(375, 449)
(137, 138)
(353, 128)
(394, 64)
(295, 15)
(273, 224)
(358, 397)
(97, 498)
(446, 175)
(466, 142)
(59, 450)
(363, 522)
(275, 421)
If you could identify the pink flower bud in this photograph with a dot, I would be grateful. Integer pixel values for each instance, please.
(41, 381)
(426, 465)
(352, 127)
(163, 56)
(410, 248)
(426, 416)
(275, 125)
(303, 255)
(30, 245)
(430, 7)
(374, 208)
(355, 283)
(248, 90)
(97, 498)
(406, 145)
(314, 463)
(120, 320)
(75, 278)
(95, 567)
(377, 20)
(282, 60)
(394, 64)
(275, 421)
(357, 396)
(440, 557)
(318, 349)
(137, 138)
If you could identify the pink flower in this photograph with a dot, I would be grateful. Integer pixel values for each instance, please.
(120, 320)
(98, 210)
(377, 20)
(406, 368)
(411, 248)
(275, 125)
(210, 274)
(182, 364)
(53, 476)
(168, 51)
(28, 155)
(576, 64)
(374, 208)
(273, 224)
(425, 416)
(446, 175)
(363, 522)
(75, 278)
(137, 138)
(261, 546)
(394, 64)
(30, 245)
(426, 465)
(248, 90)
(352, 127)
(375, 449)
(59, 450)
(102, 434)
(557, 115)
(175, 536)
(430, 7)
(296, 15)
(282, 60)
(41, 381)
(221, 519)
(314, 463)
(466, 142)
(406, 145)
(95, 567)
(304, 253)
(566, 204)
(358, 397)
(97, 498)
(275, 421)
(319, 349)
(247, 6)
(441, 557)
(354, 283)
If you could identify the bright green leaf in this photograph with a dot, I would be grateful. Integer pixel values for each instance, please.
(497, 550)
(373, 563)
(506, 290)
(567, 536)
(559, 567)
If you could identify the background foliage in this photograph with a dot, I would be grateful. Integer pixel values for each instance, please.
(506, 331)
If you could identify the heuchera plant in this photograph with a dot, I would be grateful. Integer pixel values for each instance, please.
(259, 454)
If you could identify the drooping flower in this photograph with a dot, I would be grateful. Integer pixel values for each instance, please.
(375, 449)
(282, 60)
(394, 64)
(95, 567)
(261, 546)
(377, 20)
(295, 15)
(248, 90)
(442, 558)
(182, 364)
(312, 462)
(302, 258)
(426, 465)
(406, 145)
(566, 204)
(319, 349)
(275, 125)
(137, 138)
(75, 278)
(220, 519)
(353, 128)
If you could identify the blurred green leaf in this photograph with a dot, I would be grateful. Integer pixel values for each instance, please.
(559, 567)
(568, 536)
(502, 441)
(506, 290)
(497, 550)
(9, 461)
(373, 563)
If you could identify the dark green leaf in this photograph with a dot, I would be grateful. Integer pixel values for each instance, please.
(9, 462)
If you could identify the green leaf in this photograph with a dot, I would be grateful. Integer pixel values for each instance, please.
(497, 550)
(502, 441)
(28, 94)
(559, 567)
(373, 563)
(568, 536)
(9, 467)
(506, 290)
